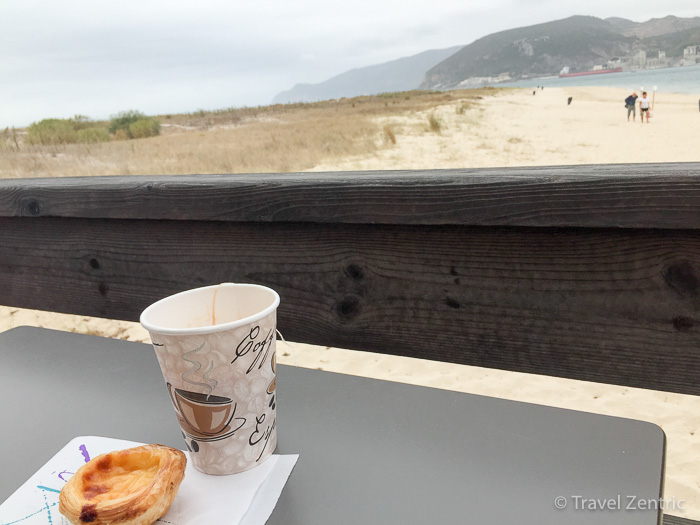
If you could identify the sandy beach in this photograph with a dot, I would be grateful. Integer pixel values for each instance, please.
(517, 128)
(513, 128)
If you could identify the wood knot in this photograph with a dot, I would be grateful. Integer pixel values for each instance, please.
(33, 208)
(682, 324)
(355, 272)
(103, 288)
(349, 306)
(453, 303)
(94, 264)
(682, 278)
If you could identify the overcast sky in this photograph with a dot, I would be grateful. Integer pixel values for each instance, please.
(99, 57)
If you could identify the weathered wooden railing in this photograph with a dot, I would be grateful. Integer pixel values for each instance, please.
(587, 272)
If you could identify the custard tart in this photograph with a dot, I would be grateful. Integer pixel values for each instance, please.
(135, 486)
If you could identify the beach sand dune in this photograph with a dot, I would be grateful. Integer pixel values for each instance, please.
(514, 128)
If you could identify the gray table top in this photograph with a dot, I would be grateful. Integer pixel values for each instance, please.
(370, 451)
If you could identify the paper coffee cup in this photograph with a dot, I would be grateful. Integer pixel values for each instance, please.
(216, 349)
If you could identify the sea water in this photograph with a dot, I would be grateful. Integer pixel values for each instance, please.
(667, 80)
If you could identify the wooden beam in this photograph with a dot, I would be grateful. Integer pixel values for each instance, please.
(609, 305)
(624, 196)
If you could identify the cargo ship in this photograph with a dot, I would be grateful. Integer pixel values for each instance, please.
(594, 72)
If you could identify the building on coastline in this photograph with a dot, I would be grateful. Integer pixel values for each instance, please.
(638, 60)
(691, 55)
(659, 60)
(484, 81)
(642, 60)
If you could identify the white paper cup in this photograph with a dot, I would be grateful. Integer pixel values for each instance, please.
(216, 349)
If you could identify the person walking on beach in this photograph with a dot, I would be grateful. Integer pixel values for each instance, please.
(644, 107)
(631, 105)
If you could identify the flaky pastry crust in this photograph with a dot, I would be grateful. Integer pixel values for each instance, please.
(135, 486)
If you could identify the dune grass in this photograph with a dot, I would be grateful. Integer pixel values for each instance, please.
(277, 138)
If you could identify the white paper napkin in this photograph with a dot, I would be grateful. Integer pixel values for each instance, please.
(247, 498)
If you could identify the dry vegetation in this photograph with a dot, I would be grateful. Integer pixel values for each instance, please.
(278, 138)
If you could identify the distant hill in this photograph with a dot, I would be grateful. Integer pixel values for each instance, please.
(622, 24)
(403, 74)
(579, 42)
(673, 43)
(654, 27)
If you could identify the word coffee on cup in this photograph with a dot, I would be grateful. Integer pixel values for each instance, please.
(216, 349)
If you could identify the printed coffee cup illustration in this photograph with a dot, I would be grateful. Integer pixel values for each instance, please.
(216, 350)
(207, 415)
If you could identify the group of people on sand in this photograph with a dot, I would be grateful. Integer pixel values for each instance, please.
(644, 106)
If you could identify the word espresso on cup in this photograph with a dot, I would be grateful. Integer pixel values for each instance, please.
(216, 349)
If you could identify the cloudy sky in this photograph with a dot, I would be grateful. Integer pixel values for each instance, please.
(99, 57)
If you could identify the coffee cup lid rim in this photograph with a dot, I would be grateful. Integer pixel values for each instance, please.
(199, 330)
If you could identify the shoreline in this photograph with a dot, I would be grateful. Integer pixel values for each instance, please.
(631, 80)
